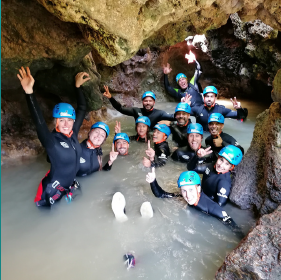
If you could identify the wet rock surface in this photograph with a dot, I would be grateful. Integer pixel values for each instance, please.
(257, 183)
(258, 256)
(276, 91)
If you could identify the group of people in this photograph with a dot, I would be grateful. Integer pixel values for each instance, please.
(70, 159)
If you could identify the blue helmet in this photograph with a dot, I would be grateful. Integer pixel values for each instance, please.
(179, 76)
(163, 128)
(148, 94)
(195, 128)
(101, 125)
(216, 117)
(64, 110)
(210, 89)
(188, 178)
(122, 136)
(232, 154)
(183, 107)
(144, 120)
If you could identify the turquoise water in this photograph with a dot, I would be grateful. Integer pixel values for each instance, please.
(82, 240)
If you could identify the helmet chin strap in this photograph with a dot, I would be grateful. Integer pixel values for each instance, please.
(57, 129)
(91, 145)
(225, 171)
(163, 139)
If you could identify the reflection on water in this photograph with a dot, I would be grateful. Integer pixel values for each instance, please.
(82, 240)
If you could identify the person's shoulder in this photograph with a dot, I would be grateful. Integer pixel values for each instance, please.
(208, 139)
(219, 105)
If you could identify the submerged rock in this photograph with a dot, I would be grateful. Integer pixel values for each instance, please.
(258, 256)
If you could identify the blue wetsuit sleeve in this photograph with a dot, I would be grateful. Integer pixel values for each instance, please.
(81, 109)
(238, 114)
(44, 135)
(194, 111)
(223, 191)
(117, 106)
(173, 92)
(159, 192)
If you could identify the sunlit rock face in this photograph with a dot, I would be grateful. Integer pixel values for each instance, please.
(276, 92)
(117, 29)
(257, 182)
(258, 255)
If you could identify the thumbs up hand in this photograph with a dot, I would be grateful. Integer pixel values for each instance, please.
(151, 176)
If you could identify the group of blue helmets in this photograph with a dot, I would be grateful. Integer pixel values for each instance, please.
(230, 153)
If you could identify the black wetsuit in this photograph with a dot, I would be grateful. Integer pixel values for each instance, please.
(162, 151)
(215, 185)
(155, 115)
(192, 89)
(226, 140)
(201, 113)
(179, 133)
(89, 162)
(137, 138)
(205, 205)
(63, 152)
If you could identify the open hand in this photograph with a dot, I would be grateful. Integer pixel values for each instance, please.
(203, 152)
(117, 128)
(112, 156)
(80, 80)
(236, 104)
(191, 57)
(187, 98)
(151, 176)
(26, 80)
(107, 94)
(167, 69)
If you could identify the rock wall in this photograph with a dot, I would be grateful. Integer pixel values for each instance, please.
(258, 177)
(258, 256)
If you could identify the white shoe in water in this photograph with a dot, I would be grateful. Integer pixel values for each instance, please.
(118, 206)
(146, 210)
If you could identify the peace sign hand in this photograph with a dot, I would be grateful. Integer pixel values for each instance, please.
(107, 94)
(26, 80)
(117, 127)
(203, 152)
(151, 176)
(187, 98)
(236, 104)
(112, 156)
(167, 69)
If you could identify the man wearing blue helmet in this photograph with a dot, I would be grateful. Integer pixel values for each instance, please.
(194, 138)
(148, 110)
(190, 184)
(91, 158)
(216, 182)
(159, 156)
(210, 106)
(179, 128)
(62, 145)
(121, 142)
(218, 139)
(191, 88)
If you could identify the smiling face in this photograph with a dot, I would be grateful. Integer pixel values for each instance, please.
(190, 193)
(194, 140)
(97, 136)
(215, 128)
(158, 136)
(182, 118)
(209, 99)
(122, 147)
(223, 165)
(65, 125)
(183, 83)
(148, 103)
(142, 129)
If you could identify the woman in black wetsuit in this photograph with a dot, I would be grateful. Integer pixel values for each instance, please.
(142, 129)
(216, 182)
(62, 146)
(91, 158)
(190, 184)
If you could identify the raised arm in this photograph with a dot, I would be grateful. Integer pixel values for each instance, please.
(195, 166)
(197, 74)
(80, 79)
(27, 83)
